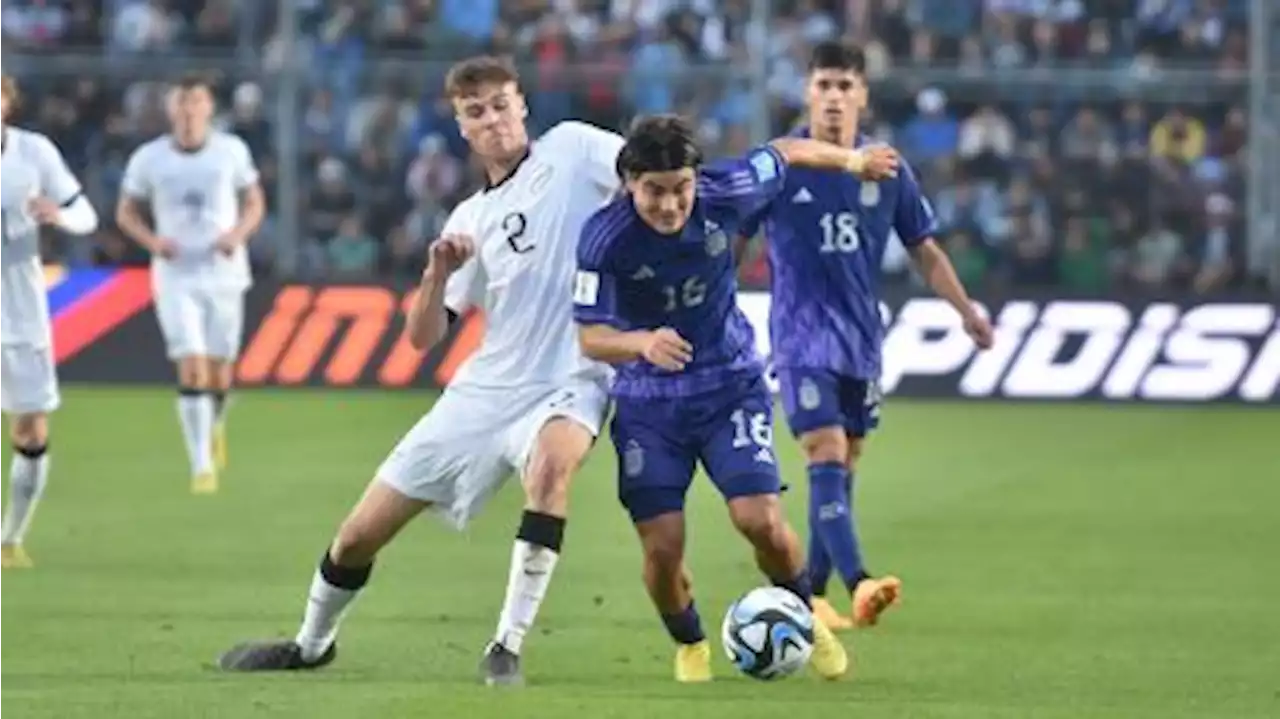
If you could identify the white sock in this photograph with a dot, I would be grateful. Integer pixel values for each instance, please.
(195, 412)
(325, 606)
(527, 582)
(27, 479)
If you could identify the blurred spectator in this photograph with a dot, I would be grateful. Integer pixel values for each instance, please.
(933, 133)
(1178, 137)
(1040, 128)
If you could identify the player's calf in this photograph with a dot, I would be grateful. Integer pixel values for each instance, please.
(220, 376)
(778, 551)
(196, 416)
(832, 455)
(780, 556)
(28, 476)
(669, 585)
(558, 451)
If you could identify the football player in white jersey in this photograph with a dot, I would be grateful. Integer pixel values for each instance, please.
(201, 188)
(38, 189)
(526, 403)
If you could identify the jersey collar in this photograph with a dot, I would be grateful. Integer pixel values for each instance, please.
(859, 139)
(491, 186)
(173, 140)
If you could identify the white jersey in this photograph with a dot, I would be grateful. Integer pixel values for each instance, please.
(526, 233)
(31, 167)
(194, 196)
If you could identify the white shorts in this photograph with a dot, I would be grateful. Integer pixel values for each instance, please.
(465, 448)
(30, 381)
(200, 322)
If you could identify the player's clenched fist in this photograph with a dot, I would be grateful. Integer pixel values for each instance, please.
(450, 251)
(877, 162)
(979, 330)
(665, 348)
(44, 210)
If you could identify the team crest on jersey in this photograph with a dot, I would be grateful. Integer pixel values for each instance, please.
(810, 397)
(633, 458)
(870, 194)
(717, 240)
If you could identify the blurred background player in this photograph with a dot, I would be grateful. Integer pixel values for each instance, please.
(655, 294)
(200, 187)
(827, 233)
(526, 402)
(38, 189)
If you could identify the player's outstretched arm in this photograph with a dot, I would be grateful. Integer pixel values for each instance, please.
(663, 347)
(610, 345)
(428, 321)
(937, 270)
(877, 162)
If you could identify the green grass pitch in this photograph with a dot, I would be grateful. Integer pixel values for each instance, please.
(1060, 561)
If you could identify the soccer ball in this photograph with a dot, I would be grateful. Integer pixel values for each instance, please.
(768, 633)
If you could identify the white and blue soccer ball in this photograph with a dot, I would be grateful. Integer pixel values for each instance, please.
(768, 633)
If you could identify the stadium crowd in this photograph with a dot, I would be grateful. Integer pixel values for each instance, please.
(1033, 123)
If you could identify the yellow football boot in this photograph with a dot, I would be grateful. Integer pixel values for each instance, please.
(693, 662)
(13, 556)
(872, 597)
(829, 659)
(204, 483)
(828, 615)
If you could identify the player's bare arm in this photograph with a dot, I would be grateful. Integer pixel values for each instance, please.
(877, 162)
(130, 220)
(428, 321)
(937, 270)
(253, 208)
(662, 347)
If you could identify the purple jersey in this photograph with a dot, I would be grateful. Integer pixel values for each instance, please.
(634, 278)
(827, 233)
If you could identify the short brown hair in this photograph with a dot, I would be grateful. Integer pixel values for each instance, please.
(193, 80)
(466, 77)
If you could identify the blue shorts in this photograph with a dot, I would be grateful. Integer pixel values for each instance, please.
(660, 441)
(818, 398)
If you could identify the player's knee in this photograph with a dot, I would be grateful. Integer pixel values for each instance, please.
(547, 482)
(760, 520)
(29, 431)
(828, 444)
(664, 552)
(219, 374)
(193, 372)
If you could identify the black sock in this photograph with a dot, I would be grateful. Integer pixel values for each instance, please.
(350, 578)
(542, 530)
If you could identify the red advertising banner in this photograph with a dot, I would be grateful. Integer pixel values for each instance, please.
(1130, 349)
